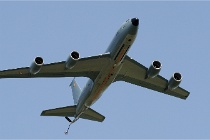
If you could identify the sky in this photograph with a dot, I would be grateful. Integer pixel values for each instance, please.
(175, 33)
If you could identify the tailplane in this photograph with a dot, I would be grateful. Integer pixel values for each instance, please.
(70, 111)
(76, 91)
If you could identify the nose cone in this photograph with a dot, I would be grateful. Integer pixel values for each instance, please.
(135, 21)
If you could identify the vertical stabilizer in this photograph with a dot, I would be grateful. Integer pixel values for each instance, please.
(76, 91)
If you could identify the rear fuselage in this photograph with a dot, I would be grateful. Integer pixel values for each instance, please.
(117, 49)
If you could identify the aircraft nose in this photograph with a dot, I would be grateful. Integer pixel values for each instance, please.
(135, 21)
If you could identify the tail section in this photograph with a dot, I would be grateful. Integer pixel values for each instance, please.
(76, 91)
(70, 111)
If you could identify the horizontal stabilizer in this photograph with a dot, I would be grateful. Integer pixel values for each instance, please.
(70, 111)
(90, 114)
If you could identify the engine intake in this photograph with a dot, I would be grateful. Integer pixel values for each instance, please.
(154, 69)
(174, 81)
(72, 60)
(36, 65)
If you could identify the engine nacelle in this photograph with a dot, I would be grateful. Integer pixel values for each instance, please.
(72, 60)
(154, 69)
(36, 65)
(174, 81)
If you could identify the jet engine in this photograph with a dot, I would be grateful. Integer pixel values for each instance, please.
(72, 60)
(36, 65)
(154, 69)
(174, 81)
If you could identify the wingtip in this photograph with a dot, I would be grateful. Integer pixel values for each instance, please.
(42, 114)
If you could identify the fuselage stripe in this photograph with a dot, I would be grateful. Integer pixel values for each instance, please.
(121, 53)
(103, 84)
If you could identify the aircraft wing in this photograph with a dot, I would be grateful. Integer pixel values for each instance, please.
(135, 73)
(85, 67)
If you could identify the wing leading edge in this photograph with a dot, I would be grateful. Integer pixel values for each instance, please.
(135, 73)
(85, 67)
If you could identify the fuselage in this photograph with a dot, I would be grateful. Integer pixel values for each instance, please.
(117, 49)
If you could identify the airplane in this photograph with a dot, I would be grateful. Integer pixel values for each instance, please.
(102, 70)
